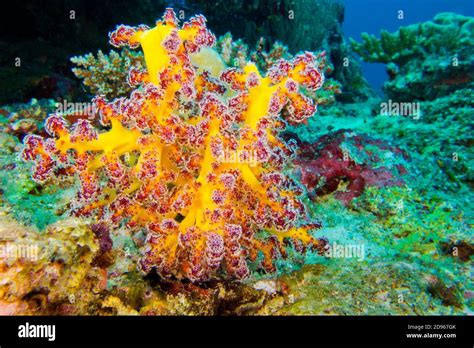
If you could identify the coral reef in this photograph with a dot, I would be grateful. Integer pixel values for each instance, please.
(204, 169)
(193, 156)
(425, 60)
(70, 269)
(422, 225)
(445, 161)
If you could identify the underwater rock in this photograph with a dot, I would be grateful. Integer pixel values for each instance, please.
(412, 223)
(363, 288)
(152, 295)
(49, 38)
(463, 250)
(23, 118)
(446, 161)
(449, 295)
(212, 298)
(50, 272)
(303, 25)
(25, 200)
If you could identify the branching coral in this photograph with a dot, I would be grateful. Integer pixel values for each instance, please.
(193, 156)
(105, 74)
(233, 52)
(425, 60)
(397, 47)
(446, 33)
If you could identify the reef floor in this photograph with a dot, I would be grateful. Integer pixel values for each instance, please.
(398, 218)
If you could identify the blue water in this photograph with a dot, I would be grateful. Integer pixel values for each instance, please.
(373, 15)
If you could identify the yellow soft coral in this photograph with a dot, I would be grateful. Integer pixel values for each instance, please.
(192, 156)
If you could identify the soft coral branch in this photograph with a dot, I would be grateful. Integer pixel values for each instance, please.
(164, 166)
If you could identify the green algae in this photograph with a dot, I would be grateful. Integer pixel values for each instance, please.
(401, 227)
(23, 198)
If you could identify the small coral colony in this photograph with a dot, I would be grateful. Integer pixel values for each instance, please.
(193, 156)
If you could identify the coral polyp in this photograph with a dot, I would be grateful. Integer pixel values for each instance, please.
(193, 156)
